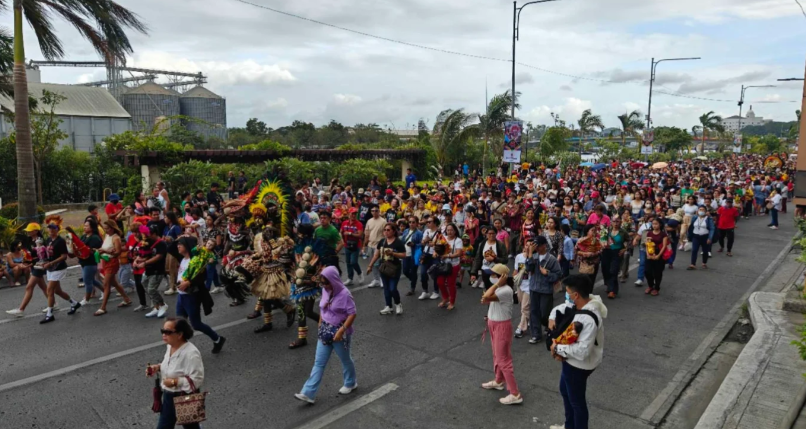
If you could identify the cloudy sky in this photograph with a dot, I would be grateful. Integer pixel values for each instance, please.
(580, 54)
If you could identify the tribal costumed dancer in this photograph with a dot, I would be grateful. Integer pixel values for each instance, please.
(271, 219)
(235, 278)
(305, 289)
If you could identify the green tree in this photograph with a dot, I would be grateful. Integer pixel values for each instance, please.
(673, 139)
(710, 122)
(45, 133)
(452, 128)
(589, 122)
(257, 128)
(333, 134)
(554, 140)
(107, 36)
(296, 170)
(630, 125)
(360, 171)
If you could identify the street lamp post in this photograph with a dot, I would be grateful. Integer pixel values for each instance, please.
(741, 102)
(652, 80)
(516, 19)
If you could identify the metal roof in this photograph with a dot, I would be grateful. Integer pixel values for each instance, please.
(200, 92)
(151, 88)
(81, 100)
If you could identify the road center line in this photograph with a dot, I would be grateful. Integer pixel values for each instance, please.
(348, 408)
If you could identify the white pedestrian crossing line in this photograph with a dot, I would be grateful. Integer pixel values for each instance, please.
(348, 408)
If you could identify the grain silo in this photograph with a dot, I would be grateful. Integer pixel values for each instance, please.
(207, 112)
(151, 104)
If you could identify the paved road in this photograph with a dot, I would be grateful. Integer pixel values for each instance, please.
(419, 369)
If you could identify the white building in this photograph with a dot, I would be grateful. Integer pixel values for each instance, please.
(731, 124)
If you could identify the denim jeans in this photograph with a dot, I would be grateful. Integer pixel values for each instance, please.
(642, 263)
(351, 259)
(89, 272)
(188, 306)
(774, 216)
(699, 242)
(125, 276)
(410, 271)
(323, 352)
(390, 289)
(428, 261)
(168, 413)
(611, 262)
(573, 385)
(212, 276)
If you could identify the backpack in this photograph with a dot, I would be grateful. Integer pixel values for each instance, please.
(563, 320)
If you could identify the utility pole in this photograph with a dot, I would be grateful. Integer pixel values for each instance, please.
(653, 67)
(741, 102)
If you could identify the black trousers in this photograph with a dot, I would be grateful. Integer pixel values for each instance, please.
(611, 262)
(305, 311)
(729, 233)
(654, 272)
(540, 307)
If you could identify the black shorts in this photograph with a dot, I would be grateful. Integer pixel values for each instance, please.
(38, 272)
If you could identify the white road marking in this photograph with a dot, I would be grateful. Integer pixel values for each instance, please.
(348, 408)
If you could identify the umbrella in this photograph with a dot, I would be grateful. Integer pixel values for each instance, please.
(637, 164)
(597, 167)
(586, 164)
(659, 165)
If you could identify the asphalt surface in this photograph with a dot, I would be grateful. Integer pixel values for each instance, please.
(420, 369)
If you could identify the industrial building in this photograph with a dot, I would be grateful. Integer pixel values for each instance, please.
(88, 114)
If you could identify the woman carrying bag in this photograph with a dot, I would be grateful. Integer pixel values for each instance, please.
(181, 373)
(337, 308)
(392, 250)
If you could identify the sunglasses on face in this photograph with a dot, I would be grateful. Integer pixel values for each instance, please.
(167, 332)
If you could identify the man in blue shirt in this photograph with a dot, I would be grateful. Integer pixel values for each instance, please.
(466, 169)
(410, 178)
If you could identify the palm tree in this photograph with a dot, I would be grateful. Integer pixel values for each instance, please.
(588, 122)
(710, 122)
(453, 127)
(492, 122)
(630, 125)
(102, 22)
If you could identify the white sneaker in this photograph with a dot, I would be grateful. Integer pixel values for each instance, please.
(423, 296)
(152, 313)
(374, 283)
(303, 398)
(399, 309)
(80, 285)
(348, 282)
(490, 385)
(773, 227)
(84, 302)
(161, 312)
(217, 289)
(434, 296)
(140, 308)
(347, 390)
(16, 312)
(511, 399)
(170, 292)
(55, 307)
(361, 279)
(557, 426)
(639, 282)
(386, 310)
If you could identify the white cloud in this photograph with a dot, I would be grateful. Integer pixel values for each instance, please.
(569, 112)
(630, 106)
(346, 99)
(280, 103)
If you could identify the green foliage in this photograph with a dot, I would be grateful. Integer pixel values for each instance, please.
(453, 128)
(673, 139)
(801, 343)
(296, 170)
(768, 128)
(142, 143)
(9, 231)
(360, 171)
(351, 146)
(555, 140)
(190, 176)
(659, 157)
(12, 211)
(279, 148)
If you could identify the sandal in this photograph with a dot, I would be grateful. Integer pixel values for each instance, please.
(450, 307)
(442, 304)
(124, 304)
(704, 267)
(691, 268)
(730, 254)
(99, 312)
(647, 291)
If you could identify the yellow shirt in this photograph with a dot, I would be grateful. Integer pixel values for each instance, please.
(384, 207)
(432, 207)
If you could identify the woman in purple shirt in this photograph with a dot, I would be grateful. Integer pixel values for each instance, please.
(337, 310)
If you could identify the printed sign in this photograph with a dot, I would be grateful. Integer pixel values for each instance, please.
(512, 141)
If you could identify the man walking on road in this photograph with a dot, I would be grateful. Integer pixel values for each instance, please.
(581, 358)
(373, 233)
(544, 272)
(726, 223)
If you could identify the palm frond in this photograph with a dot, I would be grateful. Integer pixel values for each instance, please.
(41, 22)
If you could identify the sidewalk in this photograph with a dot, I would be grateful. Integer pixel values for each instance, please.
(765, 380)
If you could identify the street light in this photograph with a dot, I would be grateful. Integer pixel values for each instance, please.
(516, 19)
(741, 101)
(790, 79)
(652, 80)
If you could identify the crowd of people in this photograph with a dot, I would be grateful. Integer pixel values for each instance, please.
(554, 225)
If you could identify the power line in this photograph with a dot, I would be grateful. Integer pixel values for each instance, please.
(481, 57)
(801, 7)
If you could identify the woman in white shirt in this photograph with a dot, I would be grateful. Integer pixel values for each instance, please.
(499, 322)
(180, 372)
(453, 252)
(689, 212)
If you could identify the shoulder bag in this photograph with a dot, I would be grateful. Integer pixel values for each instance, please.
(190, 408)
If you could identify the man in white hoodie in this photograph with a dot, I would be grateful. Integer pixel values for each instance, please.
(581, 358)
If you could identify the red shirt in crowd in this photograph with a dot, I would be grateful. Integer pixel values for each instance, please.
(113, 209)
(727, 217)
(353, 227)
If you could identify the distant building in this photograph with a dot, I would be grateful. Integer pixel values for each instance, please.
(731, 123)
(88, 114)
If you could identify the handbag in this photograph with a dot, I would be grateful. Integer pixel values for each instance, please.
(586, 268)
(351, 245)
(388, 269)
(667, 254)
(769, 206)
(190, 408)
(327, 332)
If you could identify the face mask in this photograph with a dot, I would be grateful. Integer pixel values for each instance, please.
(567, 297)
(701, 213)
(211, 210)
(494, 280)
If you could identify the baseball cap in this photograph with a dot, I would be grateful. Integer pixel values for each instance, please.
(53, 226)
(500, 269)
(33, 226)
(541, 240)
(446, 207)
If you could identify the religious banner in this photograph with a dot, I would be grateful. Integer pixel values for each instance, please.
(512, 141)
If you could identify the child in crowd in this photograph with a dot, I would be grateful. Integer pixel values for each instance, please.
(466, 260)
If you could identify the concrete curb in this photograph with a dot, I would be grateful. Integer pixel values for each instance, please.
(660, 407)
(736, 391)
